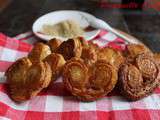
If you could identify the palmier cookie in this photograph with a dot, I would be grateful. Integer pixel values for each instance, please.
(132, 50)
(89, 84)
(39, 52)
(70, 48)
(16, 75)
(139, 80)
(56, 62)
(112, 56)
(54, 44)
(89, 56)
(26, 80)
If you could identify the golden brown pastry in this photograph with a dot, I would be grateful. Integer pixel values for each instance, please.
(70, 48)
(26, 79)
(16, 74)
(39, 52)
(54, 44)
(89, 53)
(89, 56)
(56, 62)
(140, 79)
(132, 50)
(147, 65)
(88, 83)
(38, 76)
(114, 57)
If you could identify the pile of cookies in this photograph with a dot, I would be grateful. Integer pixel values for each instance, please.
(88, 72)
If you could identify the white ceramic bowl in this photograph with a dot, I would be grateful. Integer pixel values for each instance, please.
(58, 16)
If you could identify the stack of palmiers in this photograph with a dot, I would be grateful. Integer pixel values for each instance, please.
(89, 72)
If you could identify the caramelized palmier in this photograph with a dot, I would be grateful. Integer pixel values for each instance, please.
(56, 62)
(135, 49)
(114, 57)
(39, 52)
(70, 48)
(17, 71)
(26, 79)
(89, 56)
(16, 77)
(89, 83)
(38, 76)
(133, 85)
(54, 44)
(147, 65)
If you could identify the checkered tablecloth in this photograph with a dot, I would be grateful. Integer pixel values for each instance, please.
(55, 103)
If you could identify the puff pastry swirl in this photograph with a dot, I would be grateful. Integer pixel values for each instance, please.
(140, 79)
(89, 83)
(26, 80)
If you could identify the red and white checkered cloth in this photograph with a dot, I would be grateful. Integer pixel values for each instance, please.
(56, 104)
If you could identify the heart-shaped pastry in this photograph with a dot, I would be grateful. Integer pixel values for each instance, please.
(39, 52)
(112, 56)
(26, 79)
(132, 50)
(54, 44)
(70, 48)
(89, 83)
(89, 55)
(139, 79)
(56, 62)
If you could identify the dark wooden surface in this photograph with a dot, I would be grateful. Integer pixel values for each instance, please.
(19, 16)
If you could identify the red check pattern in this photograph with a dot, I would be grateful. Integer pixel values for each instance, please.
(54, 103)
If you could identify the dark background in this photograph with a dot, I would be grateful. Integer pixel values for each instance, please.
(17, 16)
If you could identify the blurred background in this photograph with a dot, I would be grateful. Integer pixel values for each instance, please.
(140, 18)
